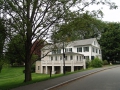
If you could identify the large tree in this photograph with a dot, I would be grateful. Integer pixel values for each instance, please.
(82, 26)
(2, 42)
(34, 19)
(110, 42)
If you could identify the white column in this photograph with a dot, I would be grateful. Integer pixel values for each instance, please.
(46, 69)
(53, 70)
(84, 64)
(72, 66)
(41, 69)
(61, 71)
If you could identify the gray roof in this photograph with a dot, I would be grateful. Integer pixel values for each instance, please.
(82, 42)
(67, 53)
(73, 43)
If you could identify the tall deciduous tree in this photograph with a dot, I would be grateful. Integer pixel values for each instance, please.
(110, 42)
(82, 26)
(35, 18)
(2, 42)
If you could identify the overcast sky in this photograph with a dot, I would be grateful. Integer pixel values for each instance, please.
(112, 15)
(109, 15)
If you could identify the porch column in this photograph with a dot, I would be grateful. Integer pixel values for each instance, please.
(53, 70)
(61, 67)
(41, 69)
(72, 66)
(46, 70)
(84, 64)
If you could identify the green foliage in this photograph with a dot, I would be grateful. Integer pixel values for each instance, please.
(87, 63)
(105, 62)
(35, 18)
(33, 68)
(110, 42)
(81, 26)
(96, 63)
(16, 50)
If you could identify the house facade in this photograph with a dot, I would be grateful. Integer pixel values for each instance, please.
(74, 56)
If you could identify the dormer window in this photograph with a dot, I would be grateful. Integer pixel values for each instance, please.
(68, 50)
(56, 51)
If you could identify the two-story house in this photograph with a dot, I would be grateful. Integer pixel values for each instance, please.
(75, 53)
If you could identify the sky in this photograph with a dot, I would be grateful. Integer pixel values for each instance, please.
(110, 15)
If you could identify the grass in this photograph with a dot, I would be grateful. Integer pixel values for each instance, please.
(12, 77)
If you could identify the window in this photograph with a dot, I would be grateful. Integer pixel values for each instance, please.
(60, 57)
(59, 51)
(99, 52)
(53, 51)
(71, 57)
(68, 50)
(86, 49)
(38, 67)
(93, 49)
(92, 57)
(80, 58)
(77, 58)
(87, 57)
(96, 50)
(79, 49)
(65, 57)
(56, 58)
(51, 58)
(56, 51)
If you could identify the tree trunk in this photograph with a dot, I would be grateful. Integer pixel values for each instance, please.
(28, 71)
(28, 60)
(0, 68)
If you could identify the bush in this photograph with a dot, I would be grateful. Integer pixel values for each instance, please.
(105, 62)
(33, 69)
(87, 63)
(96, 63)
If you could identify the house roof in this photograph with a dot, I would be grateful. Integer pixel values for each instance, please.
(66, 53)
(73, 43)
(82, 42)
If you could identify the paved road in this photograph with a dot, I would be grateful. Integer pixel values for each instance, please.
(105, 80)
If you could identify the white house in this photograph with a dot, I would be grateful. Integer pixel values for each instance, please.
(76, 52)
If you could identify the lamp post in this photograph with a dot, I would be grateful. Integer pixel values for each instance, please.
(63, 60)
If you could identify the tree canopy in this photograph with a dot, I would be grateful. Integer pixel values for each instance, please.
(82, 26)
(2, 42)
(16, 51)
(110, 42)
(34, 19)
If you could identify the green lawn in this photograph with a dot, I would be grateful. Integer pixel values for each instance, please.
(11, 77)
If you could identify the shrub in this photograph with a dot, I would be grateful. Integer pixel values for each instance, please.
(105, 62)
(87, 63)
(96, 63)
(33, 68)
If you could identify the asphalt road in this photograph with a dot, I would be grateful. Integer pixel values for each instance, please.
(105, 80)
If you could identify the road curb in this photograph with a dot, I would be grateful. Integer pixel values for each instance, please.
(71, 80)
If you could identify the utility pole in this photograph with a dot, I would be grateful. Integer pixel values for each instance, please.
(63, 60)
